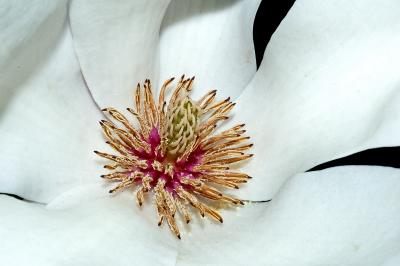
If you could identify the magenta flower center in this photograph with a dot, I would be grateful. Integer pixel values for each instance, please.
(167, 168)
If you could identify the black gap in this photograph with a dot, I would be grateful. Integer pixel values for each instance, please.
(12, 195)
(269, 16)
(389, 156)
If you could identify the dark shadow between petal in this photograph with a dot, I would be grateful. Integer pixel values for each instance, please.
(268, 18)
(384, 156)
(20, 198)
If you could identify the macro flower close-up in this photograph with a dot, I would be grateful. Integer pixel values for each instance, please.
(154, 132)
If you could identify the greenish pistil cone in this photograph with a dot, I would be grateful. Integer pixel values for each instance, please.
(183, 121)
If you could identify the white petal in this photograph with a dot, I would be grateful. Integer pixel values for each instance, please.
(107, 231)
(49, 127)
(394, 261)
(28, 30)
(341, 216)
(326, 85)
(117, 45)
(386, 133)
(211, 40)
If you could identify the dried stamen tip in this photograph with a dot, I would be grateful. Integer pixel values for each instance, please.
(174, 153)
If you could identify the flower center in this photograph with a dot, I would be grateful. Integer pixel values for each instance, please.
(175, 153)
(172, 172)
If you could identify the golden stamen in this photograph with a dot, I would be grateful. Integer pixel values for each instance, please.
(174, 152)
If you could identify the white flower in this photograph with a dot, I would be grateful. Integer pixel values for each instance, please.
(329, 86)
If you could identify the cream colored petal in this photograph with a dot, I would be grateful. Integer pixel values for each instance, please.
(328, 86)
(211, 40)
(117, 45)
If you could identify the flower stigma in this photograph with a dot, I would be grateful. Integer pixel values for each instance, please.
(176, 153)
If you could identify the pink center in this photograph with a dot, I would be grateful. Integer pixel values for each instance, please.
(181, 169)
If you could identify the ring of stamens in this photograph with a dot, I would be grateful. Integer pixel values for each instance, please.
(175, 153)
